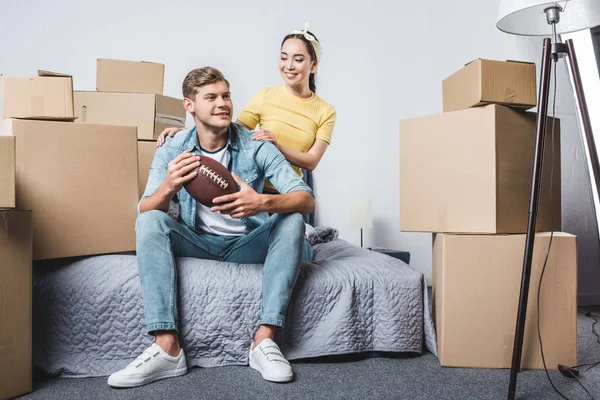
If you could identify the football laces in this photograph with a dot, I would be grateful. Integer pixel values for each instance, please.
(209, 173)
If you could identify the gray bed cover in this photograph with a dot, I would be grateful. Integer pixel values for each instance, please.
(88, 313)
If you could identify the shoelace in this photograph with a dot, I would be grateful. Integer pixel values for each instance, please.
(143, 358)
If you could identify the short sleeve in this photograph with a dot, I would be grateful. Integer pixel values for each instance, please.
(250, 115)
(326, 129)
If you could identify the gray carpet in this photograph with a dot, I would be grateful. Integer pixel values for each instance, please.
(350, 377)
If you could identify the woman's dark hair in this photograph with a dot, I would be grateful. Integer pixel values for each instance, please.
(311, 52)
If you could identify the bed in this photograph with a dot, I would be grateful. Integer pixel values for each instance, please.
(88, 312)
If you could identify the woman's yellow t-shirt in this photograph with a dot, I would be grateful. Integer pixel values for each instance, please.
(295, 122)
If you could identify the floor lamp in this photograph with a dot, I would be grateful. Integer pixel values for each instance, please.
(544, 18)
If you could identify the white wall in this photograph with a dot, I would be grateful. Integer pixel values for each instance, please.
(579, 217)
(382, 61)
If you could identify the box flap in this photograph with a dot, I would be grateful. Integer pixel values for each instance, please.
(52, 74)
(520, 62)
(170, 119)
(152, 62)
(513, 61)
(128, 61)
(472, 61)
(169, 110)
(42, 118)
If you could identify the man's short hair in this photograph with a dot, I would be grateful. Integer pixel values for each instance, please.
(200, 77)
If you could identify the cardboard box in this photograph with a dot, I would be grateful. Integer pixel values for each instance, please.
(81, 181)
(129, 76)
(48, 96)
(7, 172)
(15, 303)
(470, 171)
(149, 112)
(486, 81)
(146, 152)
(476, 285)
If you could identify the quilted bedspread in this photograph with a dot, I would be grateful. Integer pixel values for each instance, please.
(88, 313)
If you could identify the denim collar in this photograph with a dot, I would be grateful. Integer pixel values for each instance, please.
(232, 139)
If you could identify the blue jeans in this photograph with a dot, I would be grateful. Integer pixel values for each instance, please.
(279, 243)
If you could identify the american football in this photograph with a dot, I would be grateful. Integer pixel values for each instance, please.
(213, 180)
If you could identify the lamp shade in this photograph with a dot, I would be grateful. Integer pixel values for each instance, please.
(361, 213)
(527, 17)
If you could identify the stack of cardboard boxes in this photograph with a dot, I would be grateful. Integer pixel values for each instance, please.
(130, 93)
(465, 175)
(79, 180)
(68, 188)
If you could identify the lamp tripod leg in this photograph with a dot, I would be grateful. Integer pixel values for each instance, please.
(540, 137)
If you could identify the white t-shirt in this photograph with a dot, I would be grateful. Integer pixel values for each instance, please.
(215, 222)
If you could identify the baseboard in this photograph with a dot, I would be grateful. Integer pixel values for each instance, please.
(587, 300)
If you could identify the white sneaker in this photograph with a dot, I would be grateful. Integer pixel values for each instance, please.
(267, 359)
(152, 365)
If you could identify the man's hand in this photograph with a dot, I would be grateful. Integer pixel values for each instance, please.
(244, 203)
(179, 169)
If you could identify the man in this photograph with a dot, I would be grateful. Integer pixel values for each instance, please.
(238, 229)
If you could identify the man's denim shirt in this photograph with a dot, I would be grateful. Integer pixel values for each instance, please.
(251, 160)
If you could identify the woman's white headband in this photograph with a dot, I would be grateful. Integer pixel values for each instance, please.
(315, 43)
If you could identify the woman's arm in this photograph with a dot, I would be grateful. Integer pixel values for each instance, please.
(308, 160)
(237, 121)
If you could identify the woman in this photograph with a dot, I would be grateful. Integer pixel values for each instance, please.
(290, 116)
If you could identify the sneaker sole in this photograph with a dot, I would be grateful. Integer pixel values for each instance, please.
(150, 379)
(271, 378)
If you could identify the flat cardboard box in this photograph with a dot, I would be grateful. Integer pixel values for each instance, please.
(81, 181)
(15, 303)
(486, 81)
(48, 96)
(149, 112)
(7, 172)
(146, 152)
(476, 285)
(469, 171)
(129, 76)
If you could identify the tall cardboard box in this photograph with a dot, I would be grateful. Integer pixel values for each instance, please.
(146, 152)
(48, 96)
(81, 181)
(7, 172)
(476, 285)
(151, 113)
(487, 81)
(469, 171)
(15, 303)
(129, 76)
